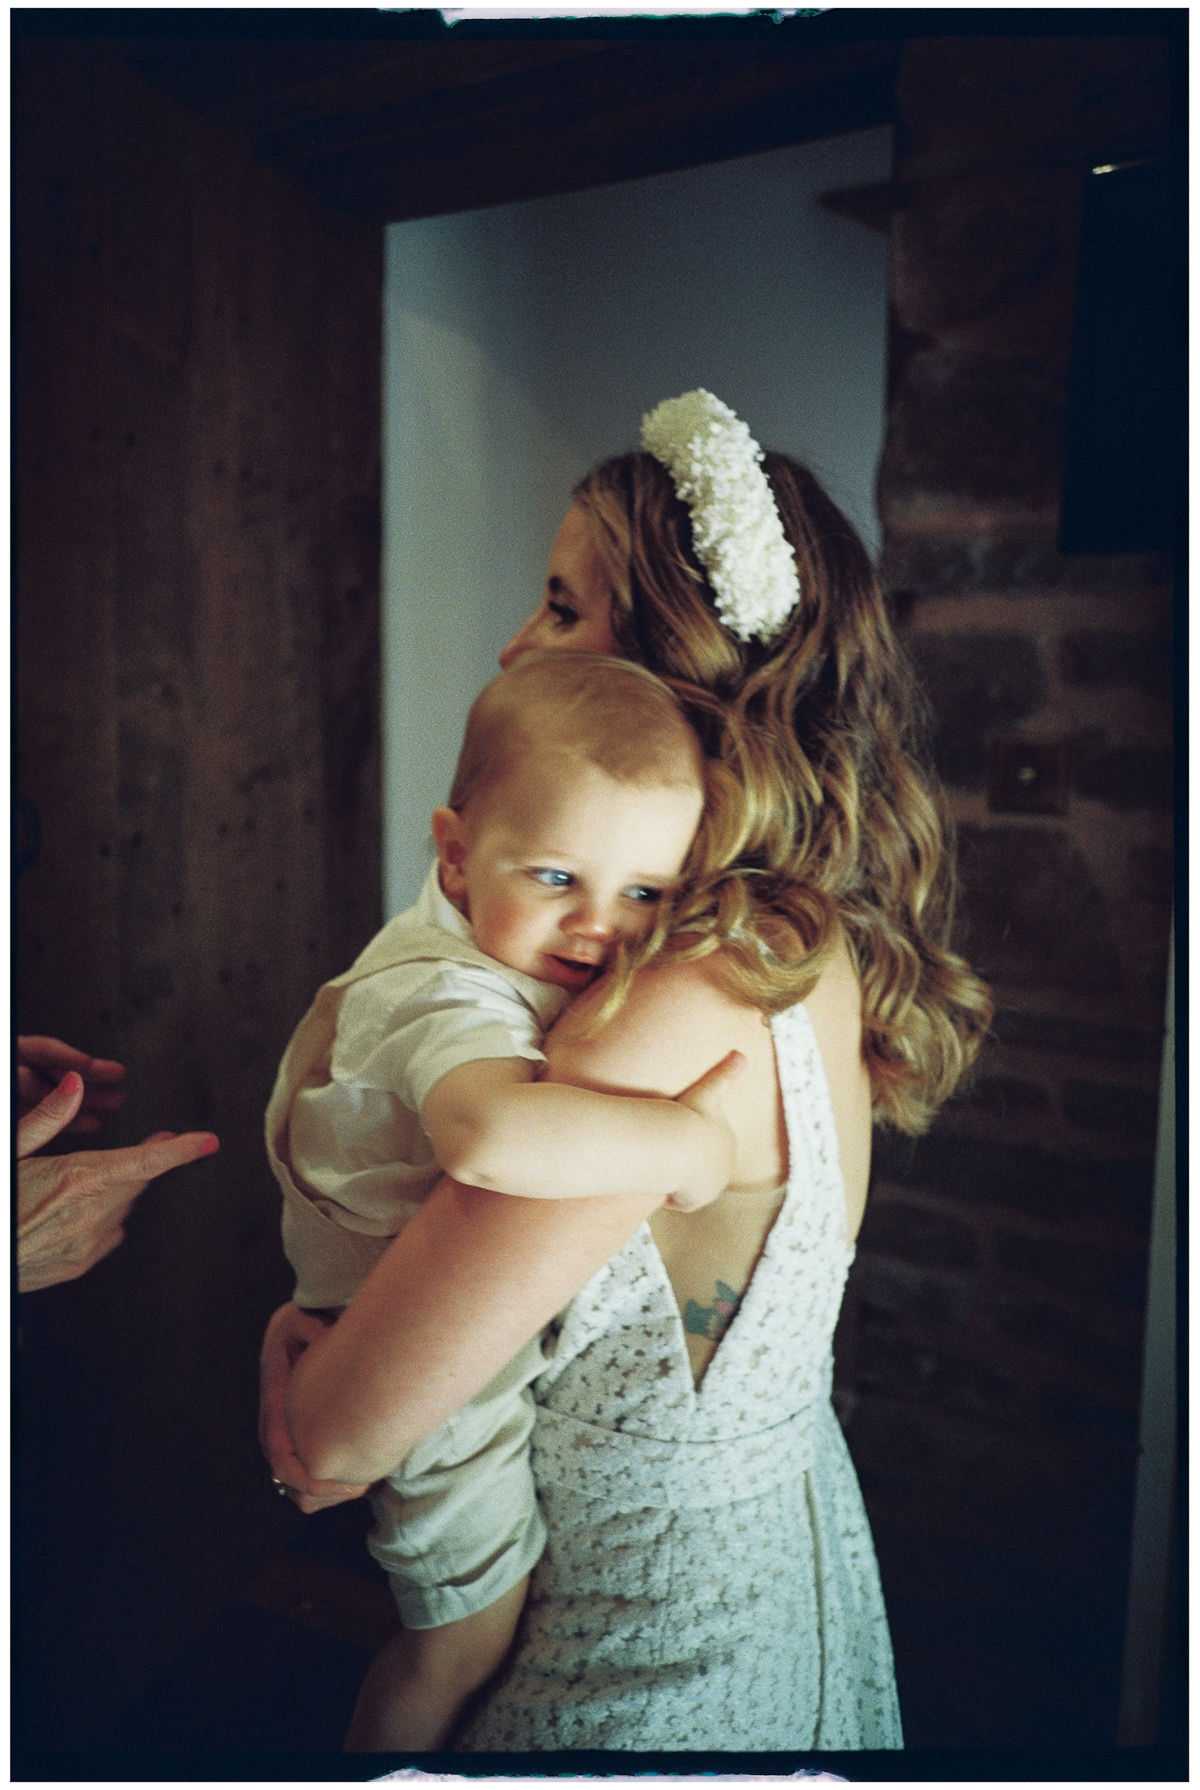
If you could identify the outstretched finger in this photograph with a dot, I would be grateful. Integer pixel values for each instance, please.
(165, 1150)
(156, 1155)
(51, 1115)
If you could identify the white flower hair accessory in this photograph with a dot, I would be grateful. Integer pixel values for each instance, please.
(716, 467)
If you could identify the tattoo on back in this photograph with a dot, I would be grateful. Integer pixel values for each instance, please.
(712, 1320)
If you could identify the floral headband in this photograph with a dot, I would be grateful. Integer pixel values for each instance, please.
(717, 471)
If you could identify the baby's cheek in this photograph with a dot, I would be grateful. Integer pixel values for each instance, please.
(510, 926)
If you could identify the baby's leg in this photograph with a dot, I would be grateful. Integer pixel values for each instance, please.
(420, 1680)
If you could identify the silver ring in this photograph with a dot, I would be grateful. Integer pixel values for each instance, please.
(285, 1491)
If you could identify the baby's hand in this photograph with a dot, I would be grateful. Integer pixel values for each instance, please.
(713, 1156)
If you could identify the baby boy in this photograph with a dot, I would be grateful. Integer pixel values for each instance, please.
(577, 795)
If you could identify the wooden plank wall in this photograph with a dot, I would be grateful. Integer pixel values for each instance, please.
(197, 672)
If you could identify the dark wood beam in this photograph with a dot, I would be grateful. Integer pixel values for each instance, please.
(404, 129)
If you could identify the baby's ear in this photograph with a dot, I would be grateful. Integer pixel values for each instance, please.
(449, 837)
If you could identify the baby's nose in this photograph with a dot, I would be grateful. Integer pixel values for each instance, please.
(589, 920)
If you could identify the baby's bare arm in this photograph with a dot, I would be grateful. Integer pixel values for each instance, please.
(491, 1125)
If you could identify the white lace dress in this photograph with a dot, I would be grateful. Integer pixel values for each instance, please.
(709, 1583)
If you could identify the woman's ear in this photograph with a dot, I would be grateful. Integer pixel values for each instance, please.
(450, 840)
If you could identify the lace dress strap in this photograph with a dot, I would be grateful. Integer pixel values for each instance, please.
(812, 1133)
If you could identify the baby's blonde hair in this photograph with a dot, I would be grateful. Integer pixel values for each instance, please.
(608, 712)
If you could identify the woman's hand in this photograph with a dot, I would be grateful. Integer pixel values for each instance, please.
(71, 1209)
(290, 1332)
(41, 1064)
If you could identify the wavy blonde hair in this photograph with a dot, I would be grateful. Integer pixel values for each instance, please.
(822, 819)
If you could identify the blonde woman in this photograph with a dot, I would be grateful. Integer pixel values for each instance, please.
(709, 1581)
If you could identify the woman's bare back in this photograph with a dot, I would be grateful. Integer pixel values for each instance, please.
(676, 1023)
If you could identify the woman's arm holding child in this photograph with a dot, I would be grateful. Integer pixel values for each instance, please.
(470, 1279)
(397, 1363)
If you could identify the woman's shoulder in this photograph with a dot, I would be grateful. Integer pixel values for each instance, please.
(672, 998)
(675, 1022)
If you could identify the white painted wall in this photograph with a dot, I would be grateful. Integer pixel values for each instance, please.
(524, 342)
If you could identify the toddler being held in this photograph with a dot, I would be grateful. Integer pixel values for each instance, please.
(574, 806)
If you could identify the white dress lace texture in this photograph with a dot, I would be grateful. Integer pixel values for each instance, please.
(709, 1583)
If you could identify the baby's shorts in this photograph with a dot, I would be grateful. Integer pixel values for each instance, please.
(459, 1524)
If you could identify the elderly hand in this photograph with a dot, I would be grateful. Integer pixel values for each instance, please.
(291, 1331)
(71, 1209)
(42, 1061)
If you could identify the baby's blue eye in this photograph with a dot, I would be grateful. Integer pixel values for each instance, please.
(552, 879)
(641, 892)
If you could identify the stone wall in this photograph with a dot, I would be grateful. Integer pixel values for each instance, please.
(991, 1349)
